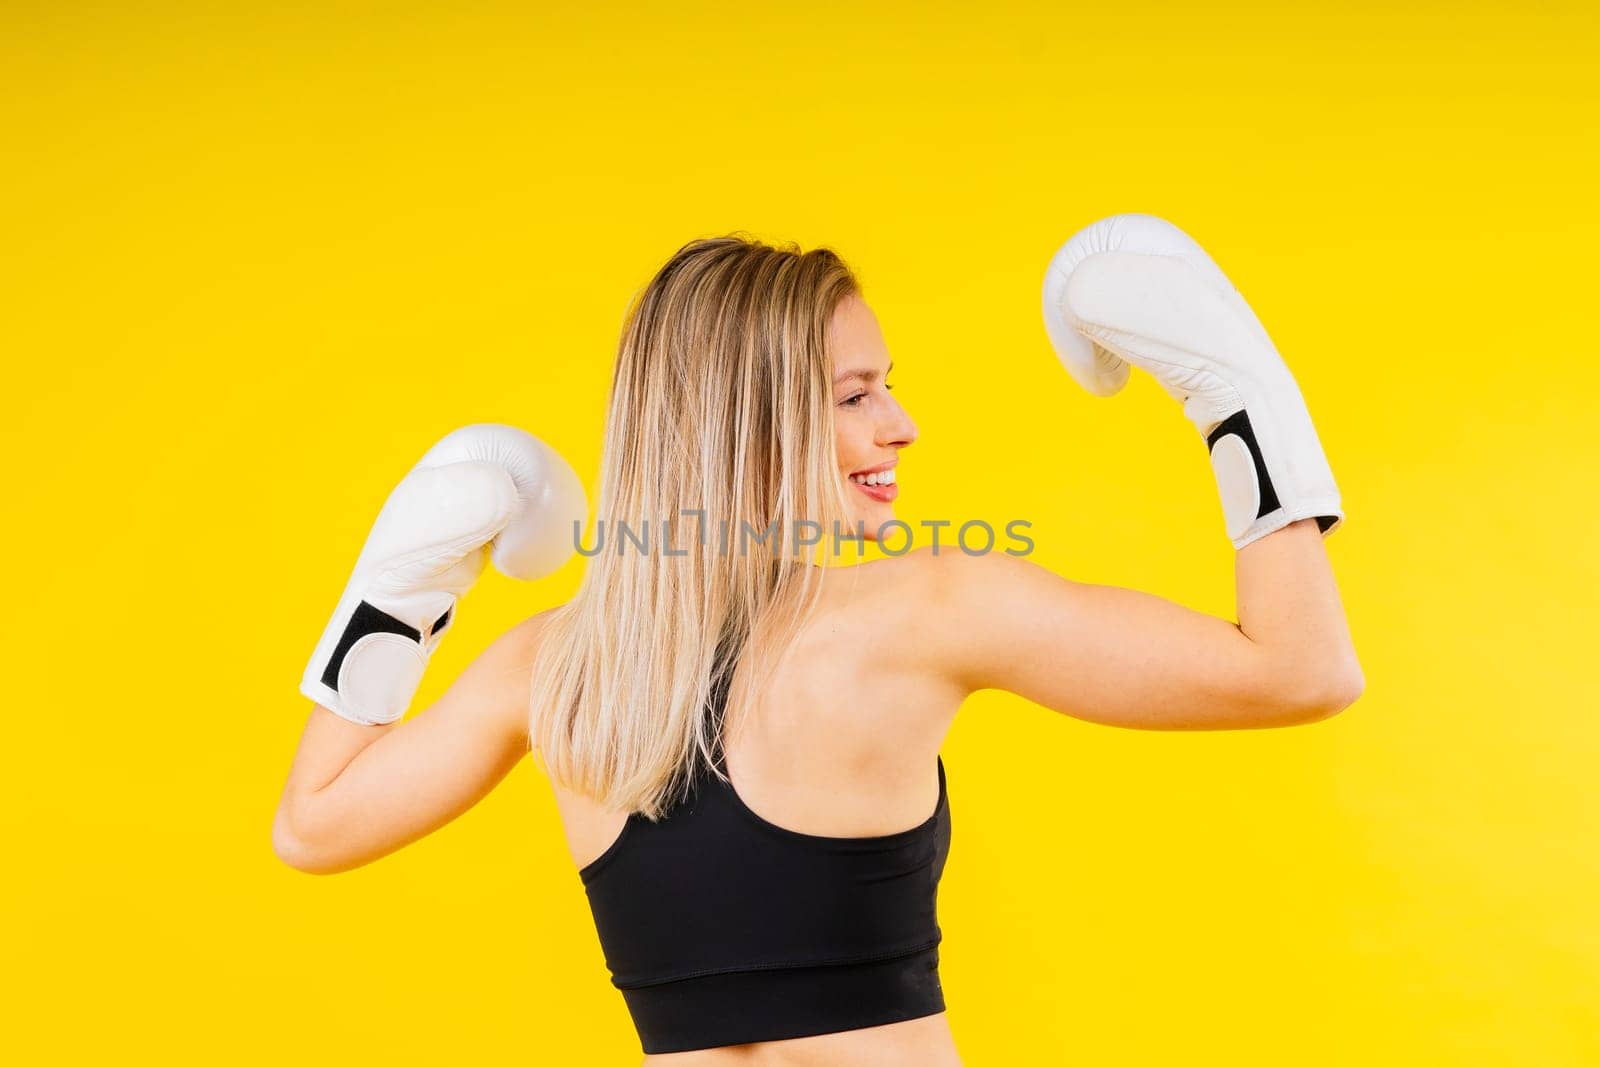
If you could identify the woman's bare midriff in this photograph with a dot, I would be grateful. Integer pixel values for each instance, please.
(925, 1042)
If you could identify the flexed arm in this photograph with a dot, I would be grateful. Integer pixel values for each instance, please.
(362, 786)
(1134, 291)
(357, 793)
(1121, 657)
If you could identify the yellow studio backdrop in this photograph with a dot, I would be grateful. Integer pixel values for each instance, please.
(255, 258)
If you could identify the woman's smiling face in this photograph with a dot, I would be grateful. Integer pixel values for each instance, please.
(870, 425)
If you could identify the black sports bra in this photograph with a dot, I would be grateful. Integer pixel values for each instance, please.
(722, 928)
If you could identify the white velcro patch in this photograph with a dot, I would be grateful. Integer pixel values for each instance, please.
(1236, 482)
(379, 676)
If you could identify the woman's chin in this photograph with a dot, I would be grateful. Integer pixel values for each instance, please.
(870, 520)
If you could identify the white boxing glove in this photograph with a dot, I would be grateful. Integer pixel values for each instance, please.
(1134, 289)
(480, 486)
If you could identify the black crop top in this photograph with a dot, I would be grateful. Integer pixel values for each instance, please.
(722, 928)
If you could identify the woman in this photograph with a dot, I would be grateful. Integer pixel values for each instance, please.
(743, 744)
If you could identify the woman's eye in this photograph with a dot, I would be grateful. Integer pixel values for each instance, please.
(854, 399)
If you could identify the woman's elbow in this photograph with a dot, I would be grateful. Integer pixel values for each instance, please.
(291, 848)
(1330, 692)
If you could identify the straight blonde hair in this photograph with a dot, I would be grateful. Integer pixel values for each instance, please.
(719, 429)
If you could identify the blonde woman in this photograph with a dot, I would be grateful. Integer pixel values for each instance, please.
(744, 743)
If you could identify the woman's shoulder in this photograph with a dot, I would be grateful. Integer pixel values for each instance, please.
(934, 577)
(520, 643)
(501, 675)
(928, 604)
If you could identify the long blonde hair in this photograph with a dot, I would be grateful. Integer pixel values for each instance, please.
(721, 404)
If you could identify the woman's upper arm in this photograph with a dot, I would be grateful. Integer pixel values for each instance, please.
(422, 773)
(1104, 654)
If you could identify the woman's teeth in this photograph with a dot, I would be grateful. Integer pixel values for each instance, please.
(881, 478)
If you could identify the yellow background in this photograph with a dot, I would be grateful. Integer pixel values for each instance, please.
(255, 261)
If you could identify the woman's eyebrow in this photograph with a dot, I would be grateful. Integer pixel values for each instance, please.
(866, 374)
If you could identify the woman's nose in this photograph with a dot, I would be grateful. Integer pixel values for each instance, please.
(898, 430)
